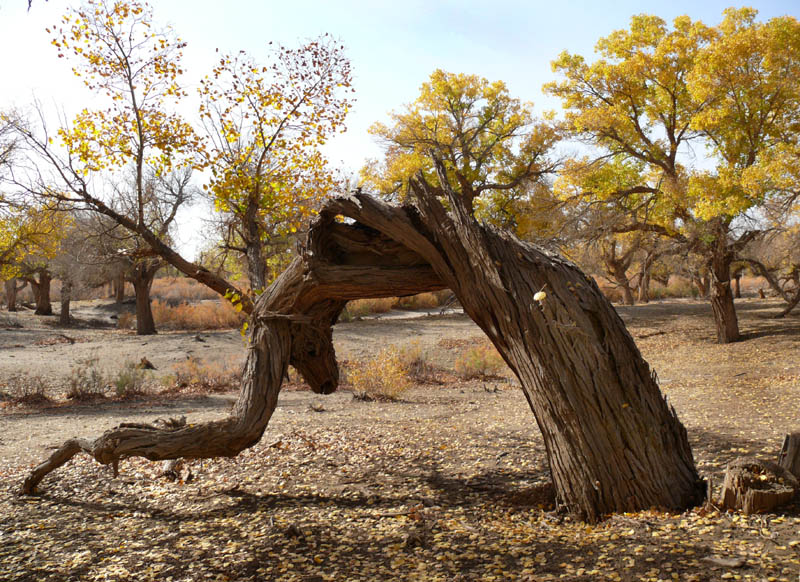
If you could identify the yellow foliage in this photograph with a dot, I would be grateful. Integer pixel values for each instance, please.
(266, 125)
(30, 235)
(118, 54)
(654, 89)
(489, 143)
(381, 378)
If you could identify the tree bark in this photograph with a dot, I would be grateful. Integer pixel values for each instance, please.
(613, 443)
(617, 268)
(118, 283)
(41, 292)
(789, 457)
(142, 276)
(66, 298)
(254, 248)
(644, 278)
(722, 305)
(11, 292)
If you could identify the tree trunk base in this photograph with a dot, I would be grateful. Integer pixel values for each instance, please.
(754, 486)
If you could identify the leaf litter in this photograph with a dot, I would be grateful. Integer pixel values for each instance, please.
(449, 484)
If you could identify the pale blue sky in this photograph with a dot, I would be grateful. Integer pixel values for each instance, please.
(393, 45)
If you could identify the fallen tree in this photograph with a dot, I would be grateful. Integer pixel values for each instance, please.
(613, 442)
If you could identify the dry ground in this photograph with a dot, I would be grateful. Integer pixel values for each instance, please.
(448, 484)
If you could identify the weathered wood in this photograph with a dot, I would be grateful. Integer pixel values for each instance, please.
(789, 457)
(612, 441)
(755, 486)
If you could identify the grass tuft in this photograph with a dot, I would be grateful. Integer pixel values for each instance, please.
(481, 361)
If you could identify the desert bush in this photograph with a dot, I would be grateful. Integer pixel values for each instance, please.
(126, 320)
(361, 307)
(28, 389)
(676, 288)
(381, 378)
(86, 381)
(479, 362)
(131, 380)
(421, 301)
(202, 376)
(214, 314)
(416, 361)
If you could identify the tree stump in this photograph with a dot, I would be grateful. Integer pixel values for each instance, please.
(754, 486)
(789, 457)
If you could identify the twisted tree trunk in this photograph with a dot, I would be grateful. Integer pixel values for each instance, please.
(613, 442)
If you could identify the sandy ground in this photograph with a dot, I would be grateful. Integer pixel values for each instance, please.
(450, 483)
(36, 345)
(676, 337)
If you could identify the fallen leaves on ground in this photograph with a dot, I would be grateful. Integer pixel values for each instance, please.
(450, 484)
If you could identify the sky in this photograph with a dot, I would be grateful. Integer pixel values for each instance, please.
(393, 45)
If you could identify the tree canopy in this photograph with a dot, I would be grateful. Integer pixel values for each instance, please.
(491, 146)
(655, 92)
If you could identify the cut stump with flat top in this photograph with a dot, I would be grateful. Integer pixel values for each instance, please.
(755, 486)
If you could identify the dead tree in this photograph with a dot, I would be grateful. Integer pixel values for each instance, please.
(613, 442)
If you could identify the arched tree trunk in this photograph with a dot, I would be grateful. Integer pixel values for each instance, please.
(722, 305)
(793, 301)
(142, 275)
(66, 298)
(613, 442)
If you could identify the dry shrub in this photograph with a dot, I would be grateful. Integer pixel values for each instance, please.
(416, 361)
(677, 287)
(214, 314)
(130, 381)
(86, 381)
(201, 376)
(420, 301)
(479, 362)
(361, 307)
(381, 378)
(181, 289)
(126, 320)
(28, 389)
